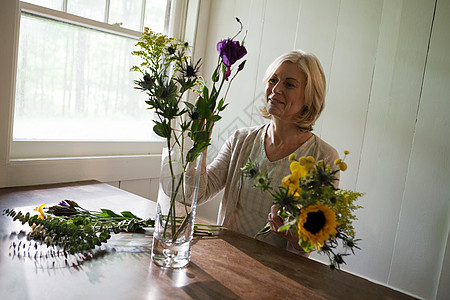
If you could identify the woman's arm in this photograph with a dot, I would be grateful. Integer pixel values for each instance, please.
(213, 176)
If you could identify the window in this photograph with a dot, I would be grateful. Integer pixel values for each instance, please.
(73, 80)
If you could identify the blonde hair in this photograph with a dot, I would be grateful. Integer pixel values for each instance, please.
(315, 87)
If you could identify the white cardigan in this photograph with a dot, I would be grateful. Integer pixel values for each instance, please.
(224, 172)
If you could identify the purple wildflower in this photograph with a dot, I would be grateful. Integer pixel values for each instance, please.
(63, 203)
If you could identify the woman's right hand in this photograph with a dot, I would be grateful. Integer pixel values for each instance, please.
(276, 221)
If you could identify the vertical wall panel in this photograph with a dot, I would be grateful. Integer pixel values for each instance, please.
(390, 128)
(279, 31)
(424, 215)
(316, 33)
(350, 80)
(443, 290)
(381, 174)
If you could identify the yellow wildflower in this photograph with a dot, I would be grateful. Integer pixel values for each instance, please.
(346, 152)
(40, 209)
(309, 167)
(292, 181)
(337, 161)
(292, 157)
(303, 161)
(297, 169)
(342, 166)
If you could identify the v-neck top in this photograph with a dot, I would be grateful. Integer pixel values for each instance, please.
(244, 208)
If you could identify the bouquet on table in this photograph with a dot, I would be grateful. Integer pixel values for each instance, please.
(68, 228)
(312, 207)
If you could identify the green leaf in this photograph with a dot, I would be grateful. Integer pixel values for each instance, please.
(215, 76)
(200, 136)
(189, 105)
(128, 214)
(196, 149)
(108, 213)
(215, 118)
(192, 154)
(202, 108)
(220, 105)
(205, 93)
(306, 245)
(196, 126)
(213, 99)
(284, 227)
(162, 129)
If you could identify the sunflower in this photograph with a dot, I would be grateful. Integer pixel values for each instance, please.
(316, 224)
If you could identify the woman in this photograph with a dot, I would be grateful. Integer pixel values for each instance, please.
(294, 91)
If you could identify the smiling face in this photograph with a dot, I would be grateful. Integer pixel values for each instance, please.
(285, 92)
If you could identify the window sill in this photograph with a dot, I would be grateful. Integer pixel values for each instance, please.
(31, 171)
(13, 161)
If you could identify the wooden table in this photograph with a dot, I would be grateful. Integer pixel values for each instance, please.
(225, 266)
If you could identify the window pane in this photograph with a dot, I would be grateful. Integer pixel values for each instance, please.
(126, 12)
(91, 9)
(53, 4)
(74, 83)
(155, 15)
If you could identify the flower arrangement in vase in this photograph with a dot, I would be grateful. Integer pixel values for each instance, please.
(168, 75)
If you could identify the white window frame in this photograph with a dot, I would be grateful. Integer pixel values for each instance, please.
(32, 149)
(64, 161)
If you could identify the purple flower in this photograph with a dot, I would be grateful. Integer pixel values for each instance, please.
(62, 209)
(63, 203)
(230, 51)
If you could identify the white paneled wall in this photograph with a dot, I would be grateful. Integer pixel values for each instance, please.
(425, 214)
(387, 102)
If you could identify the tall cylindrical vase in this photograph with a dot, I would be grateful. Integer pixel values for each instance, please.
(176, 208)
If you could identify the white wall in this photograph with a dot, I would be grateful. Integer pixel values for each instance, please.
(388, 79)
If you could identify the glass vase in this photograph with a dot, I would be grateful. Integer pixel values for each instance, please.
(175, 209)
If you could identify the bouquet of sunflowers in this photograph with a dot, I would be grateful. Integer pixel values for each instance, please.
(313, 207)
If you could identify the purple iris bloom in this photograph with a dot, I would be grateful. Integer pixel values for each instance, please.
(230, 51)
